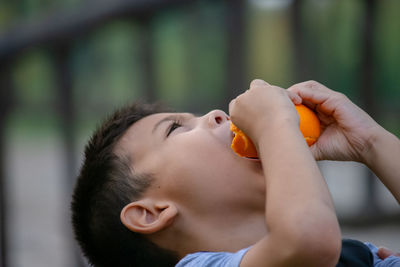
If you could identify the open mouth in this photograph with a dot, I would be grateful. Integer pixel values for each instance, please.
(232, 135)
(249, 158)
(240, 147)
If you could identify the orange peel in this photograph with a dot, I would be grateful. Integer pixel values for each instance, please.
(310, 127)
(241, 144)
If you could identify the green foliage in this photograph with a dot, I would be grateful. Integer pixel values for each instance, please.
(189, 47)
(269, 46)
(34, 81)
(168, 36)
(334, 32)
(190, 57)
(206, 58)
(106, 69)
(387, 54)
(34, 90)
(6, 15)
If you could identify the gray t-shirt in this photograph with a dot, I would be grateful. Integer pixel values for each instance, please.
(228, 259)
(208, 259)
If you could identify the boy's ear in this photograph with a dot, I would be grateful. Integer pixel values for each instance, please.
(146, 216)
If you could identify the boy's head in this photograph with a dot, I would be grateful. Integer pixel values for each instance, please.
(155, 186)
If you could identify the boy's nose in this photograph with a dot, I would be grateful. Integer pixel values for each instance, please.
(216, 117)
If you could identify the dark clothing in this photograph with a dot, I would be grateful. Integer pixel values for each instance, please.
(355, 254)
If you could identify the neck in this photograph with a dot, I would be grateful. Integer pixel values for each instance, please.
(206, 234)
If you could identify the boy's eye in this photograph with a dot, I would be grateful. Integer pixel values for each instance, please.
(174, 125)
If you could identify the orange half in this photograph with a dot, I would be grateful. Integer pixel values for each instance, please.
(310, 127)
(241, 144)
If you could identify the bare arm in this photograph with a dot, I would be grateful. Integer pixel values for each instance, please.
(383, 158)
(302, 225)
(351, 134)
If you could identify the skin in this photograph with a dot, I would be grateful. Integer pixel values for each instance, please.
(383, 253)
(206, 198)
(295, 222)
(351, 134)
(194, 163)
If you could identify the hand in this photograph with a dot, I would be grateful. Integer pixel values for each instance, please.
(347, 131)
(262, 105)
(383, 253)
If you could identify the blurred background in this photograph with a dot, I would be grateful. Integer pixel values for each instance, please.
(65, 64)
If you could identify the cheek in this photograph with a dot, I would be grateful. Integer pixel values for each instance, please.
(201, 179)
(200, 172)
(193, 167)
(196, 149)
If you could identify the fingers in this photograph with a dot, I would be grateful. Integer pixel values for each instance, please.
(383, 253)
(312, 91)
(296, 99)
(319, 97)
(258, 82)
(231, 104)
(254, 83)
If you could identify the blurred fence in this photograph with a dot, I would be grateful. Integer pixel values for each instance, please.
(58, 31)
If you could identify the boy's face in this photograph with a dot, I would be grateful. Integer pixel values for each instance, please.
(193, 163)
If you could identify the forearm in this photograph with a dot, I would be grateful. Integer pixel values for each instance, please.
(299, 208)
(383, 158)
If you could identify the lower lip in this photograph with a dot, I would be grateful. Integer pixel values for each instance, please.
(253, 159)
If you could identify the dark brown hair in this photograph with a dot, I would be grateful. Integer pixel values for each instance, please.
(107, 183)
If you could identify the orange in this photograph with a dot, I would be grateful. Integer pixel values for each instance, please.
(241, 144)
(309, 126)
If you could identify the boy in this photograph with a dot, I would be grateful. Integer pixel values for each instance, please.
(161, 188)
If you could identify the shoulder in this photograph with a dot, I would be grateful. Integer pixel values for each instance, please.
(208, 259)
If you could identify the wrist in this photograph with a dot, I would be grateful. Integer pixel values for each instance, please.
(279, 134)
(275, 125)
(276, 129)
(375, 144)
